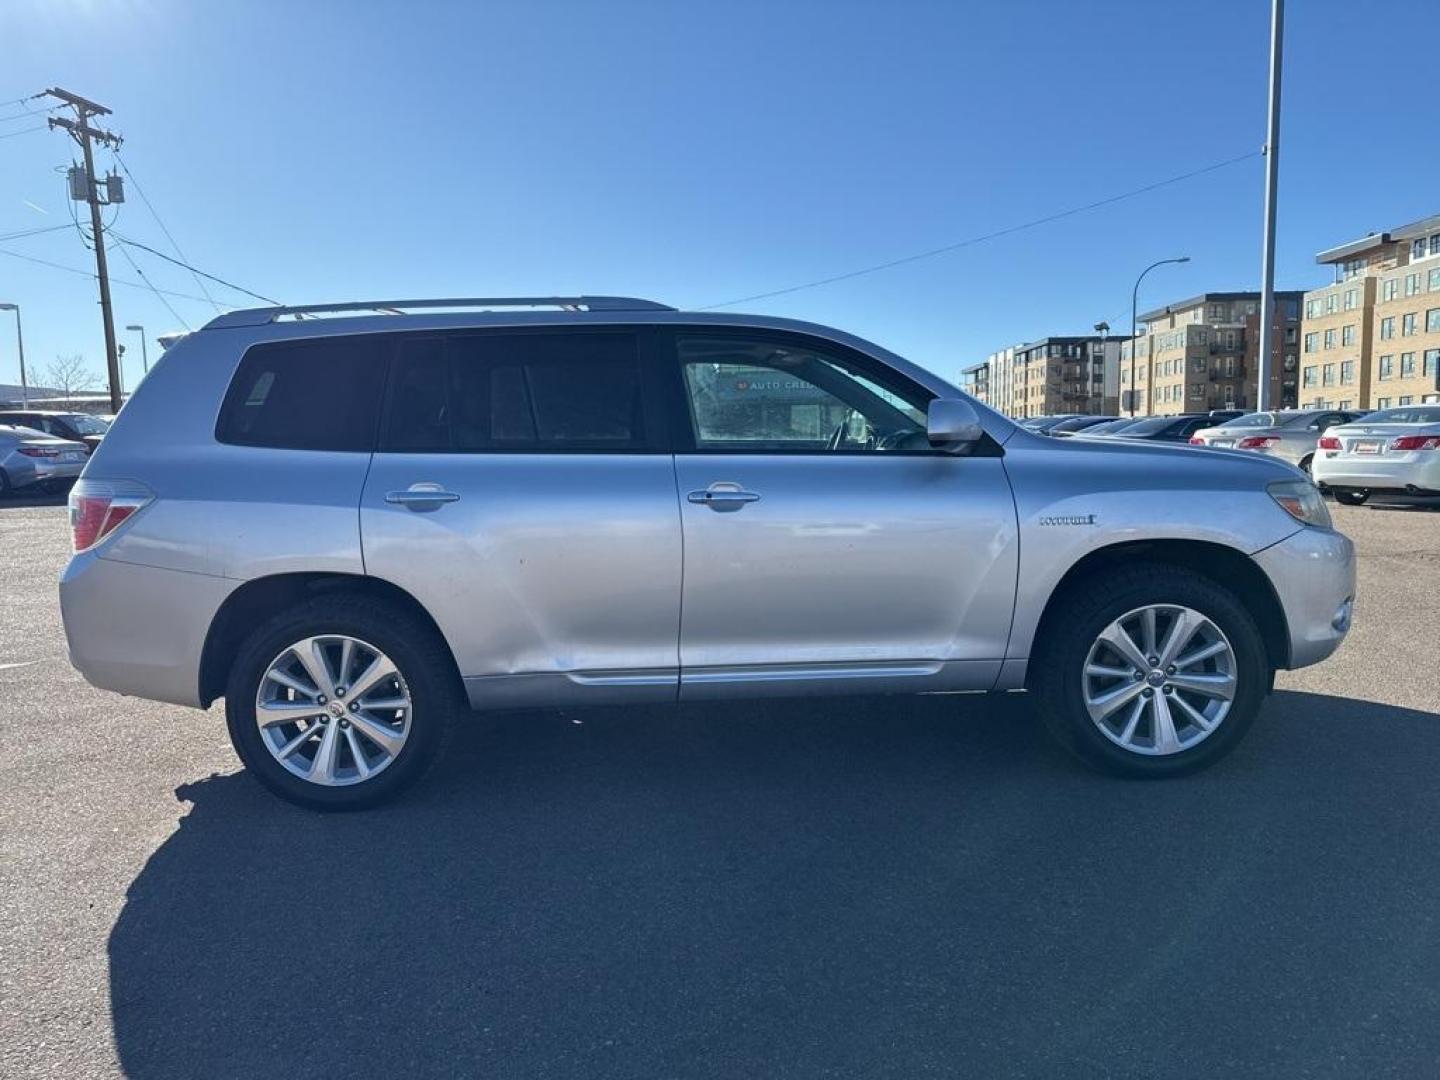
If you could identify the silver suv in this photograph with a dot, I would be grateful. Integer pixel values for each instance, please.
(355, 523)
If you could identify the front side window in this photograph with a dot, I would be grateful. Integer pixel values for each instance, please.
(749, 395)
(515, 393)
(308, 394)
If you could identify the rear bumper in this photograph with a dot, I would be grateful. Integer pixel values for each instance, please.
(26, 471)
(1313, 572)
(139, 630)
(1377, 473)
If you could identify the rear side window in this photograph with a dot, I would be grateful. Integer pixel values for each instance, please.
(487, 393)
(317, 394)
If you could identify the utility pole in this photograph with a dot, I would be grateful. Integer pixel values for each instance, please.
(1272, 177)
(81, 131)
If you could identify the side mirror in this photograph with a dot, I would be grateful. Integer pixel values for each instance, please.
(952, 423)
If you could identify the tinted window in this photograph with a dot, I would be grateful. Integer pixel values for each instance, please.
(318, 394)
(515, 392)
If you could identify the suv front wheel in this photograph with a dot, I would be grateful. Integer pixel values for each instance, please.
(340, 702)
(1151, 671)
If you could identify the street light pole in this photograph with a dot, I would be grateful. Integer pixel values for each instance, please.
(1272, 179)
(1134, 321)
(19, 344)
(144, 355)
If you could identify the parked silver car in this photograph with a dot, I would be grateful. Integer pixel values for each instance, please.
(30, 459)
(1289, 434)
(353, 528)
(1393, 451)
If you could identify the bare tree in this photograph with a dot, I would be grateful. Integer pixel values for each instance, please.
(69, 374)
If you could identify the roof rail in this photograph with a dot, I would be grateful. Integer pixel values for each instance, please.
(259, 316)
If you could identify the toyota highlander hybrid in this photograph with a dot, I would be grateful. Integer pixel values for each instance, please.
(357, 522)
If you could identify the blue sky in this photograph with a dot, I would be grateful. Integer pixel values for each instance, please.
(699, 152)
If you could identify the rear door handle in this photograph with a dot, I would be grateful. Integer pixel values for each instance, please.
(423, 496)
(723, 497)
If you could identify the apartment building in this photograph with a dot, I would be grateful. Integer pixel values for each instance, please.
(975, 381)
(1372, 336)
(1071, 374)
(1203, 353)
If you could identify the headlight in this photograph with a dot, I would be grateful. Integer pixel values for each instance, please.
(1302, 501)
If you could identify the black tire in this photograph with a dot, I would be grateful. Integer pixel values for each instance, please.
(418, 652)
(1305, 463)
(1058, 664)
(1351, 498)
(5, 489)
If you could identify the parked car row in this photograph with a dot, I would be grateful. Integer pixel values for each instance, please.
(1348, 453)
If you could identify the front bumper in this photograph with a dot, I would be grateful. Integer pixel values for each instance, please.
(1313, 572)
(139, 630)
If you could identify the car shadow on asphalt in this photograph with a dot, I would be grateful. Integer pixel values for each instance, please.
(837, 887)
(21, 499)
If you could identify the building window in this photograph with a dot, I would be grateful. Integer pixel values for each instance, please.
(1407, 365)
(1328, 375)
(1387, 366)
(1435, 243)
(1347, 335)
(1432, 320)
(1406, 399)
(1310, 341)
(1352, 298)
(1389, 288)
(1308, 375)
(1347, 372)
(1417, 248)
(1408, 323)
(1217, 312)
(1346, 404)
(1312, 308)
(1432, 363)
(1330, 304)
(1329, 339)
(1383, 403)
(1387, 328)
(1197, 389)
(1412, 284)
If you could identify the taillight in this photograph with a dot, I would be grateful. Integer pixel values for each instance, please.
(1195, 440)
(1416, 442)
(1257, 442)
(1329, 442)
(97, 507)
(38, 451)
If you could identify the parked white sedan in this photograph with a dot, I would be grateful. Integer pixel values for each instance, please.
(1394, 450)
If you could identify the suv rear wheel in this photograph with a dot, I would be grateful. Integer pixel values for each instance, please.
(341, 702)
(1350, 498)
(1154, 671)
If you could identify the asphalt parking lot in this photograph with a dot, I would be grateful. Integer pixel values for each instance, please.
(839, 888)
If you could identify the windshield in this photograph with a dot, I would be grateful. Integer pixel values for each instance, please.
(86, 424)
(1420, 415)
(1150, 425)
(1252, 420)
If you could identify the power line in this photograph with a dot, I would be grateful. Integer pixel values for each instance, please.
(1008, 231)
(168, 307)
(25, 113)
(125, 241)
(32, 232)
(91, 275)
(155, 214)
(23, 131)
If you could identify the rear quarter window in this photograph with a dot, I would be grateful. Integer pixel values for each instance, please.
(315, 394)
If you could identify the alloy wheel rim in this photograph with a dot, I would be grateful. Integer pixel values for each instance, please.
(1159, 680)
(333, 710)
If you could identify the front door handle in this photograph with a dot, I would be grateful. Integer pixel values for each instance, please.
(422, 496)
(723, 497)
